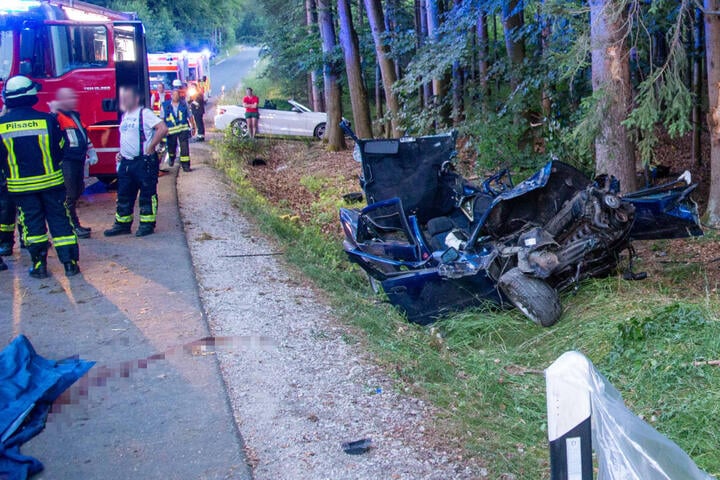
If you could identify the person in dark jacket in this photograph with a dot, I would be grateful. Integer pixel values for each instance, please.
(78, 150)
(181, 125)
(31, 154)
(197, 105)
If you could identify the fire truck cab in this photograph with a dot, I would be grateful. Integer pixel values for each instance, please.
(93, 50)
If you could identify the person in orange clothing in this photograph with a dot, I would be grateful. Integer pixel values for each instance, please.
(158, 97)
(78, 150)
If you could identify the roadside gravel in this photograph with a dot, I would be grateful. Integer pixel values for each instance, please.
(298, 389)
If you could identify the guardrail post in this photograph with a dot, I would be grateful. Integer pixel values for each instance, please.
(569, 413)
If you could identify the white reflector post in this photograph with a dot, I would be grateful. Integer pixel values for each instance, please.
(569, 411)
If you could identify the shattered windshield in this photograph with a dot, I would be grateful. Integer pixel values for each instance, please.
(6, 53)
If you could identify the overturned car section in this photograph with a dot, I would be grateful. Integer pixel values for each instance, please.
(436, 242)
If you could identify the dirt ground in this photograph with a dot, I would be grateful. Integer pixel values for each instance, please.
(298, 384)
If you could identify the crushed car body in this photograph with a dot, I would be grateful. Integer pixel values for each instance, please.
(436, 242)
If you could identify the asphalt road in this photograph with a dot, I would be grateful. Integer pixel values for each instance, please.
(144, 415)
(231, 71)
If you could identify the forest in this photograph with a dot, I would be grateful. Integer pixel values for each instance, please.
(627, 87)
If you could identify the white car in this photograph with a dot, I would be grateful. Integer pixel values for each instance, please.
(276, 118)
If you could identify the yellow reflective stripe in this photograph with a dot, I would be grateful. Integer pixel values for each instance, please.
(65, 241)
(44, 142)
(185, 159)
(123, 218)
(31, 239)
(12, 160)
(23, 125)
(23, 228)
(39, 182)
(153, 216)
(7, 227)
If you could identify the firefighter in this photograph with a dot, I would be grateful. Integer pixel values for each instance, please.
(7, 221)
(78, 150)
(31, 153)
(8, 213)
(140, 132)
(197, 106)
(181, 126)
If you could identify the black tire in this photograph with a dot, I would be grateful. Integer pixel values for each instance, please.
(537, 300)
(239, 128)
(319, 131)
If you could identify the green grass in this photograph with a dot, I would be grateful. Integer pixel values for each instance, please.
(483, 368)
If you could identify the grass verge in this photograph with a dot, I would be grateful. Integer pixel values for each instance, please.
(483, 368)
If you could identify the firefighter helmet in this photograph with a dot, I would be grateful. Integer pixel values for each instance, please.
(177, 83)
(20, 86)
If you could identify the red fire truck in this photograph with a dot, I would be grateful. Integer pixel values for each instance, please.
(93, 50)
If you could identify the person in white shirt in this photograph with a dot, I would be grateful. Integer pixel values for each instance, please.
(138, 165)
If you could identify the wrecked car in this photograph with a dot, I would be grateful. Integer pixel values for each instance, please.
(435, 242)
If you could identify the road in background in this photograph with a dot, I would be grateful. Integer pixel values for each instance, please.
(231, 71)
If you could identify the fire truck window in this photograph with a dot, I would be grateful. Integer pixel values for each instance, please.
(125, 44)
(6, 53)
(77, 47)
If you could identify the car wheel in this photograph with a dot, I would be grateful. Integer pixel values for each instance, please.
(239, 128)
(537, 300)
(319, 131)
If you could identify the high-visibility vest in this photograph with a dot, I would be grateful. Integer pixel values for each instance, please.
(75, 134)
(176, 122)
(31, 150)
(157, 101)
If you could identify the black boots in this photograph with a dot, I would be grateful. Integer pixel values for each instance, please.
(118, 229)
(39, 267)
(145, 230)
(71, 268)
(82, 232)
(3, 265)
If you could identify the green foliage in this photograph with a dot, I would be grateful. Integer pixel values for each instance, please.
(172, 25)
(483, 368)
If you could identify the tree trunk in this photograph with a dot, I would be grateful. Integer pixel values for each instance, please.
(696, 85)
(433, 23)
(351, 52)
(484, 53)
(513, 20)
(387, 68)
(427, 86)
(333, 96)
(317, 100)
(712, 53)
(379, 114)
(614, 152)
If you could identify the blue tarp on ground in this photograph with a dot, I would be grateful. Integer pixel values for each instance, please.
(29, 384)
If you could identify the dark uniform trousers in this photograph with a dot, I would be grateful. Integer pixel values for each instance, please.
(138, 175)
(182, 138)
(74, 174)
(34, 208)
(7, 218)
